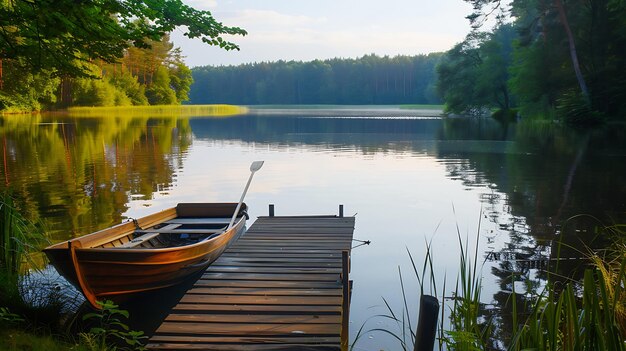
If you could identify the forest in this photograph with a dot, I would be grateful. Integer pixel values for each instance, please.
(143, 76)
(104, 53)
(557, 60)
(553, 60)
(367, 80)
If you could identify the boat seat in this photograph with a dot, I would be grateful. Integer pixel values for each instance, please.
(181, 231)
(138, 240)
(202, 220)
(146, 235)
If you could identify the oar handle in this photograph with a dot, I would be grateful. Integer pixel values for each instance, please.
(232, 220)
(255, 166)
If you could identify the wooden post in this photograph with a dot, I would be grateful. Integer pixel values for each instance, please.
(271, 210)
(345, 304)
(426, 323)
(340, 210)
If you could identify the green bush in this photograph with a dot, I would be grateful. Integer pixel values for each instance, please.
(505, 116)
(573, 109)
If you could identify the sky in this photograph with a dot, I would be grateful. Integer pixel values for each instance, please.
(321, 29)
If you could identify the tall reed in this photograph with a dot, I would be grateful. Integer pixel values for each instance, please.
(18, 238)
(469, 330)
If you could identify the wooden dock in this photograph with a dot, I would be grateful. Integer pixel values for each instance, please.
(282, 286)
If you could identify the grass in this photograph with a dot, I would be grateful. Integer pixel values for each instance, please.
(19, 238)
(159, 111)
(15, 339)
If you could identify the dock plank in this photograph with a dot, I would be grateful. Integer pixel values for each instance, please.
(279, 287)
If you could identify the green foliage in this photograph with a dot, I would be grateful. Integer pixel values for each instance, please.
(457, 75)
(160, 92)
(568, 321)
(43, 41)
(26, 91)
(6, 317)
(584, 315)
(367, 80)
(20, 340)
(547, 59)
(573, 109)
(93, 92)
(62, 37)
(110, 330)
(180, 81)
(473, 76)
(19, 237)
(130, 86)
(505, 115)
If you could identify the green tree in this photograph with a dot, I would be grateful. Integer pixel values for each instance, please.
(457, 76)
(569, 57)
(63, 36)
(93, 92)
(180, 81)
(474, 75)
(130, 86)
(160, 92)
(23, 90)
(370, 79)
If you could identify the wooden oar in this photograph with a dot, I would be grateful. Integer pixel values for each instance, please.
(255, 166)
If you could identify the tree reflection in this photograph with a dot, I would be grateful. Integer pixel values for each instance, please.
(547, 239)
(77, 174)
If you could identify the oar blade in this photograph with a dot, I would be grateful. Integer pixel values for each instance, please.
(256, 165)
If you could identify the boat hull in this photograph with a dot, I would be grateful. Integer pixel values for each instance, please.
(117, 272)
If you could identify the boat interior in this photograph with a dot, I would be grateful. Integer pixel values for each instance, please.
(172, 233)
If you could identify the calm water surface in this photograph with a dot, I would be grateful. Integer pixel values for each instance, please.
(410, 179)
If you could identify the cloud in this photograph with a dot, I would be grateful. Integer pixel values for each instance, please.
(205, 5)
(305, 31)
(263, 19)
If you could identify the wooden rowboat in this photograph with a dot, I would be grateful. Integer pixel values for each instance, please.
(149, 253)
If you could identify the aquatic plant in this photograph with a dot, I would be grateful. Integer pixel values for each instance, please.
(468, 329)
(19, 238)
(111, 330)
(6, 317)
(587, 314)
(25, 293)
(404, 332)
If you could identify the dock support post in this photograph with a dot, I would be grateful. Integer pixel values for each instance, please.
(427, 323)
(345, 304)
(340, 210)
(271, 210)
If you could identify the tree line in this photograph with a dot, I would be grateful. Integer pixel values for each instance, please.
(370, 79)
(98, 53)
(143, 76)
(551, 59)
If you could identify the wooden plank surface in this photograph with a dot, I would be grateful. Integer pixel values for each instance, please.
(279, 287)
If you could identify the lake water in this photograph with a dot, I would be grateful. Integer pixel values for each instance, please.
(410, 177)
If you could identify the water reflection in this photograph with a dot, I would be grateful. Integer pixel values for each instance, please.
(402, 175)
(78, 175)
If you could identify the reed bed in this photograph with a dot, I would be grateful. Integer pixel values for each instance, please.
(21, 291)
(19, 238)
(159, 111)
(568, 315)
